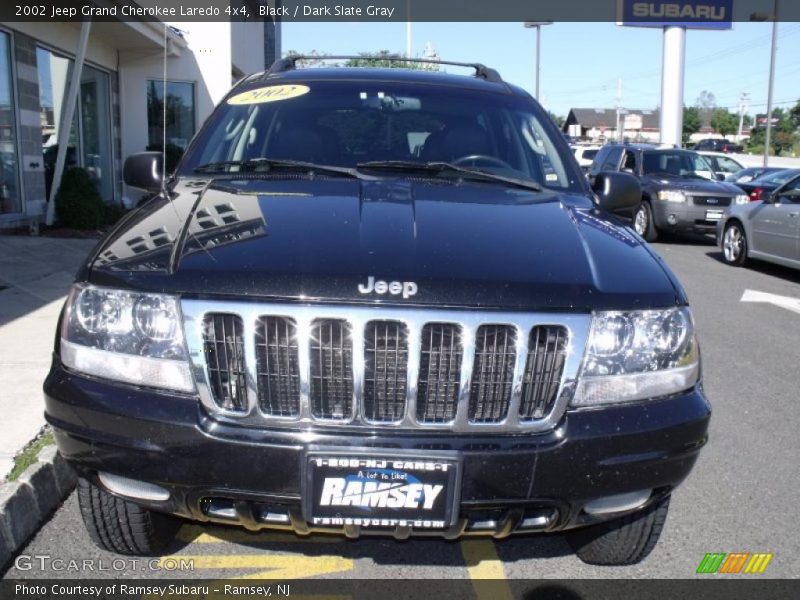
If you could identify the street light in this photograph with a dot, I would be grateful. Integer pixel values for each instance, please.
(538, 26)
(774, 18)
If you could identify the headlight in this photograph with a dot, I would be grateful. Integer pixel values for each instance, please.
(126, 336)
(742, 199)
(671, 196)
(637, 355)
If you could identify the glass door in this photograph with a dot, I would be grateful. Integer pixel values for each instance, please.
(10, 197)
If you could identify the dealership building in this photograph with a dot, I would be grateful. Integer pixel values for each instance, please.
(110, 77)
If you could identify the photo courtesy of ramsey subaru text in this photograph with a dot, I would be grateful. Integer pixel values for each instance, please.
(378, 302)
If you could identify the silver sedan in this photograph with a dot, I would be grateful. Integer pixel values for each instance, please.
(768, 229)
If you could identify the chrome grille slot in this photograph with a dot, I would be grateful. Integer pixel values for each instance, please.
(277, 367)
(543, 369)
(331, 359)
(223, 346)
(385, 371)
(310, 366)
(439, 373)
(492, 373)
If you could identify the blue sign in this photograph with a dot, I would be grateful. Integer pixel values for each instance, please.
(692, 14)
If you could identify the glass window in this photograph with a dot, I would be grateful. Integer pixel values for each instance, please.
(95, 127)
(10, 197)
(54, 77)
(728, 165)
(675, 163)
(612, 159)
(179, 113)
(344, 123)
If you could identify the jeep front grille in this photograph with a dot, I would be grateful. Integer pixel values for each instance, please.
(543, 368)
(331, 369)
(223, 346)
(385, 371)
(439, 373)
(383, 367)
(277, 368)
(492, 373)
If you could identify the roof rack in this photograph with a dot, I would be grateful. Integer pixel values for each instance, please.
(290, 62)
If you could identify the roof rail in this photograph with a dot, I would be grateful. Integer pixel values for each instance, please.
(290, 62)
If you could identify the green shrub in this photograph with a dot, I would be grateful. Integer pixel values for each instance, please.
(78, 204)
(113, 213)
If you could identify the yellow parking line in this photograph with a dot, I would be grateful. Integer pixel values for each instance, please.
(270, 566)
(216, 535)
(485, 569)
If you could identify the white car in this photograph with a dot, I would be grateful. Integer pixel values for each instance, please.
(585, 155)
(722, 164)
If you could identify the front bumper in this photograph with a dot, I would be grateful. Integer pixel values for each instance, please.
(684, 216)
(545, 478)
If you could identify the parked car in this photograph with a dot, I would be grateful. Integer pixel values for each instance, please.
(749, 173)
(721, 165)
(767, 230)
(756, 188)
(718, 145)
(374, 338)
(675, 194)
(585, 155)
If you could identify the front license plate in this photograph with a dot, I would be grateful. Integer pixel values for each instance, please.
(384, 491)
(713, 215)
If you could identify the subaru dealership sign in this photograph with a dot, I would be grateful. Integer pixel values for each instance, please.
(693, 14)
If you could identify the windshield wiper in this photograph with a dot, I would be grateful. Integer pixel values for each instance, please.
(446, 167)
(266, 165)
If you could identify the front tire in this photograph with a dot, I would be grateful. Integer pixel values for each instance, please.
(643, 223)
(734, 245)
(624, 541)
(121, 526)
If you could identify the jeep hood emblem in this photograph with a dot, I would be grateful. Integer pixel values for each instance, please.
(407, 288)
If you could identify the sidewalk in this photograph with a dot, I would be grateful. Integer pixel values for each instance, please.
(35, 275)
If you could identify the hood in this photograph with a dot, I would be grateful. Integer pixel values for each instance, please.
(400, 241)
(704, 186)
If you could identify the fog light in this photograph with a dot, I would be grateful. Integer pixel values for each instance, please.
(132, 487)
(672, 219)
(617, 503)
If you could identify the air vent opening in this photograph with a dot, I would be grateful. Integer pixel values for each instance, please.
(331, 356)
(223, 344)
(439, 373)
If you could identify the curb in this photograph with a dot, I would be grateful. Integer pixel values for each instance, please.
(27, 503)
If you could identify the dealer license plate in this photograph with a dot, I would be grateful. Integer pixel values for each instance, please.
(384, 491)
(713, 215)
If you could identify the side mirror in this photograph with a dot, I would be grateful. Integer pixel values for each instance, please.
(719, 176)
(143, 170)
(768, 197)
(618, 192)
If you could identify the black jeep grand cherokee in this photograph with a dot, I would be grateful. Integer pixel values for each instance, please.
(378, 302)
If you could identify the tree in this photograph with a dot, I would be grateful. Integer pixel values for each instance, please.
(383, 59)
(794, 115)
(558, 120)
(706, 101)
(691, 121)
(724, 122)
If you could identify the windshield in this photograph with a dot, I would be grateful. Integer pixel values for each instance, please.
(779, 177)
(675, 164)
(349, 123)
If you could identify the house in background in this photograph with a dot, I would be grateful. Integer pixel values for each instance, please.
(599, 125)
(118, 100)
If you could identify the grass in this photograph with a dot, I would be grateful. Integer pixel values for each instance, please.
(27, 457)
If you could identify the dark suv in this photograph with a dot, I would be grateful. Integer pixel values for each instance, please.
(378, 302)
(679, 191)
(718, 145)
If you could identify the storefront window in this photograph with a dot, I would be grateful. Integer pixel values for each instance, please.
(89, 142)
(9, 171)
(179, 113)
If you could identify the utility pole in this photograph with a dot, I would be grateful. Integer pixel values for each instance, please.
(537, 25)
(771, 82)
(743, 105)
(619, 109)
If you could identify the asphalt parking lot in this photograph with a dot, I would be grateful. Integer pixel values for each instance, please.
(741, 496)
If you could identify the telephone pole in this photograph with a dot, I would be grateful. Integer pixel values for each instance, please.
(743, 105)
(619, 109)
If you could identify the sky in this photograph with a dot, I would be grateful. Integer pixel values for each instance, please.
(581, 63)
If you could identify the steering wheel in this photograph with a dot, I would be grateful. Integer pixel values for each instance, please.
(473, 160)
